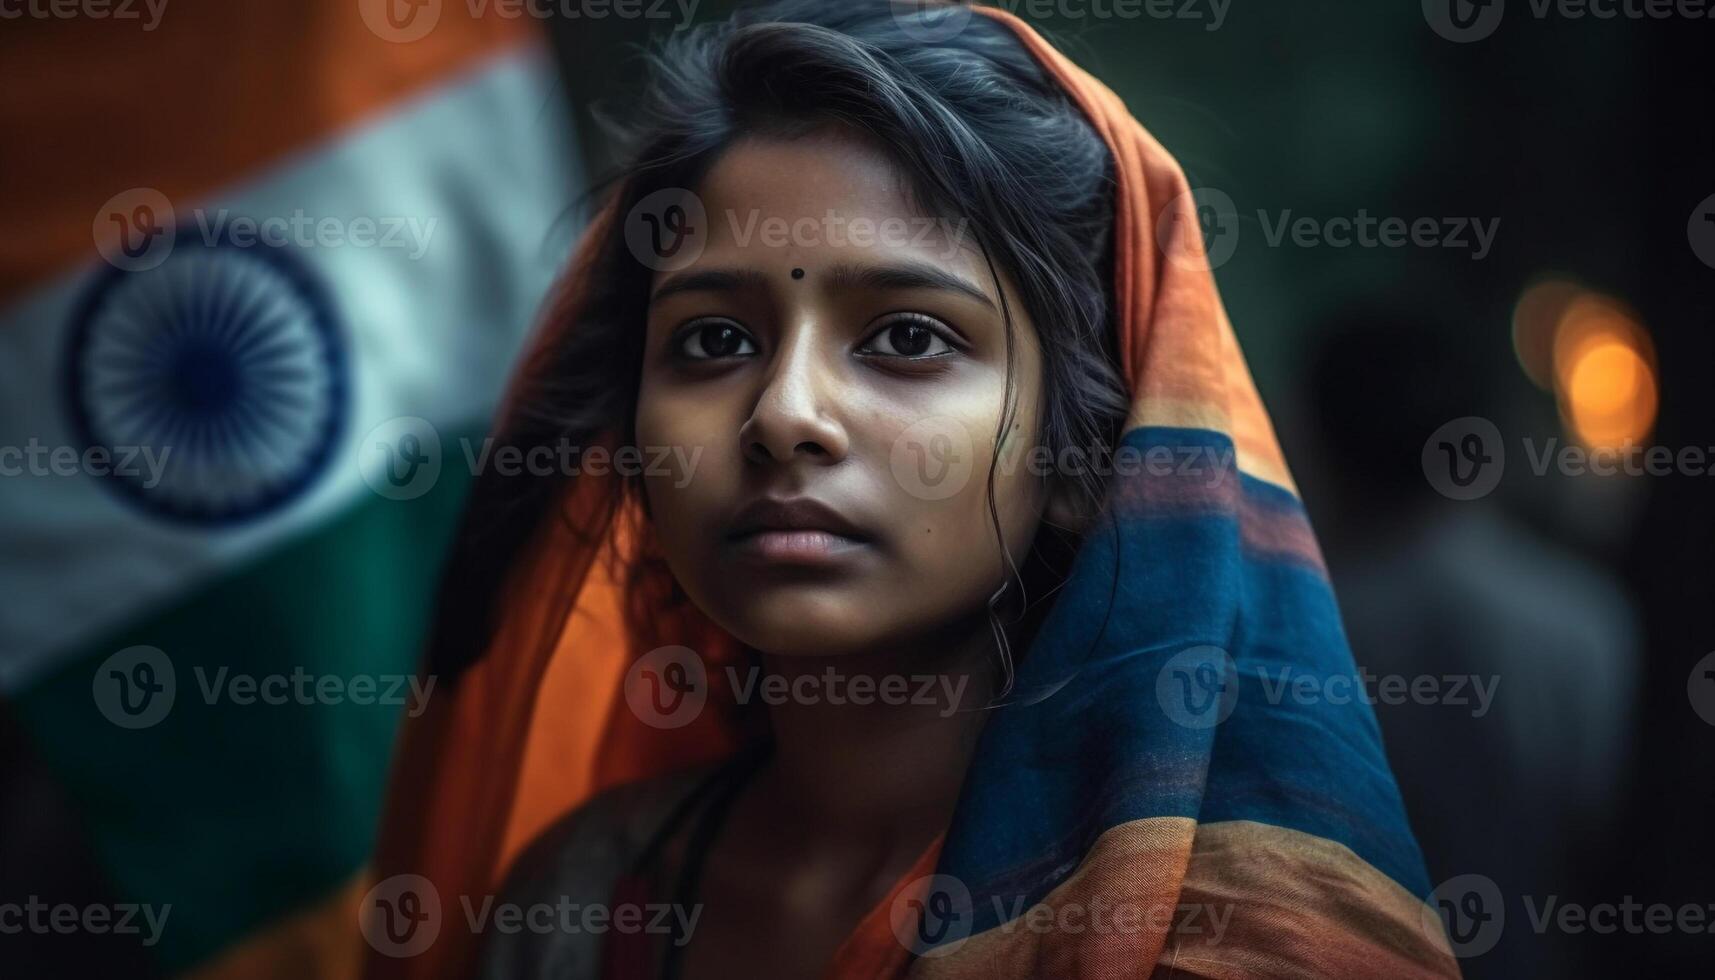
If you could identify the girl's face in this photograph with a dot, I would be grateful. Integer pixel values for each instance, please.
(835, 363)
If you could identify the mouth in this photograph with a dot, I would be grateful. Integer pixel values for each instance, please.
(799, 531)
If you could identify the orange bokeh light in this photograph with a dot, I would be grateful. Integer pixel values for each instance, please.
(1604, 372)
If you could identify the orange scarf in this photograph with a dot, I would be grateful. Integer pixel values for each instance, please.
(539, 724)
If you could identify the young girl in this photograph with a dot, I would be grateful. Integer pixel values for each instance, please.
(922, 612)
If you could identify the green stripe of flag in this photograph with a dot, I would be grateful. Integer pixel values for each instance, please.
(234, 813)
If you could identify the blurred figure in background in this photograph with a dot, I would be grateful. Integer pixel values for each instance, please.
(1512, 759)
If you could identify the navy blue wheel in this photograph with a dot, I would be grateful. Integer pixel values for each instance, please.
(227, 362)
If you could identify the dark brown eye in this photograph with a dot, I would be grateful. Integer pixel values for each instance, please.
(910, 336)
(715, 338)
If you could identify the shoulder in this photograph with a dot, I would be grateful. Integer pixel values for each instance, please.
(617, 823)
(575, 863)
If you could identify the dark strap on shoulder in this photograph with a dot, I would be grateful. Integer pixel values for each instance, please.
(732, 779)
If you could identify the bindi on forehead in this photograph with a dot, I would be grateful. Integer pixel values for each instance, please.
(797, 273)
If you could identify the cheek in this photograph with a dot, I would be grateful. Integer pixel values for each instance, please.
(691, 483)
(937, 472)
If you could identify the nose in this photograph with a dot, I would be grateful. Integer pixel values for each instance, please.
(794, 416)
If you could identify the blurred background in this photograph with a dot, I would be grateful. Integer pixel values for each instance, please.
(1469, 251)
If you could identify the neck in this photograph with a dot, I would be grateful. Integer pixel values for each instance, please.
(875, 746)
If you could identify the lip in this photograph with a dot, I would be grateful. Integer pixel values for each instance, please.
(796, 547)
(799, 530)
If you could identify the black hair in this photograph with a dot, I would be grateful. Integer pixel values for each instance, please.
(981, 132)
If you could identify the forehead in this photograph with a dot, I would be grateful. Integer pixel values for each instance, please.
(824, 197)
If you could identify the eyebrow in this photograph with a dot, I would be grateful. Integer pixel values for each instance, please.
(905, 275)
(709, 281)
(896, 275)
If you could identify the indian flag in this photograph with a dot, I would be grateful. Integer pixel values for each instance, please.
(264, 267)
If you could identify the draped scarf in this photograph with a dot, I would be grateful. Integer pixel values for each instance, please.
(1160, 794)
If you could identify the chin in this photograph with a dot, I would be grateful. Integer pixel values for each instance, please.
(803, 625)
